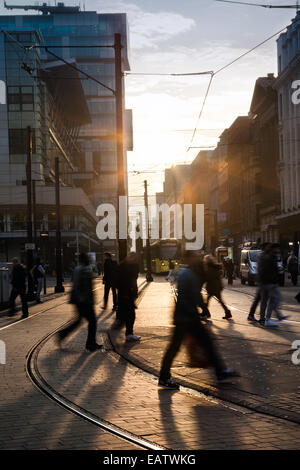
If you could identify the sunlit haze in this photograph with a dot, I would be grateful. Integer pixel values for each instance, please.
(172, 36)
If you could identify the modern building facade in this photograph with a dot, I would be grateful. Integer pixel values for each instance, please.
(68, 113)
(54, 107)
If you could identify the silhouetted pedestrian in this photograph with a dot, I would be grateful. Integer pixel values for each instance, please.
(187, 322)
(18, 282)
(83, 297)
(269, 279)
(214, 284)
(171, 269)
(38, 274)
(198, 267)
(127, 294)
(229, 266)
(258, 297)
(109, 279)
(292, 267)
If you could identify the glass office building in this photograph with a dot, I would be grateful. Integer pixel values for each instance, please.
(74, 35)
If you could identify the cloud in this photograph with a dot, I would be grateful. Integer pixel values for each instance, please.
(147, 30)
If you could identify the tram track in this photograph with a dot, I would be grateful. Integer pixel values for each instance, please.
(277, 413)
(35, 376)
(37, 379)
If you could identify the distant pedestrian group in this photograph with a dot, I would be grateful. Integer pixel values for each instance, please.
(121, 280)
(268, 294)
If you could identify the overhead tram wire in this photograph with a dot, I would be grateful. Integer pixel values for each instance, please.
(260, 5)
(201, 110)
(129, 74)
(89, 77)
(250, 50)
(211, 73)
(221, 70)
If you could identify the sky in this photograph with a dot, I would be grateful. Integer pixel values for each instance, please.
(185, 36)
(175, 36)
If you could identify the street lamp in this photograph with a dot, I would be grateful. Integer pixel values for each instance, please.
(44, 235)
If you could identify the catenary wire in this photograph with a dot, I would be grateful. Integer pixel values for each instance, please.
(212, 74)
(225, 67)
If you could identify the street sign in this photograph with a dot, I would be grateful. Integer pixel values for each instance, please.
(30, 246)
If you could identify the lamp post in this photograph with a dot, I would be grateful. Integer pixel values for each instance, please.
(122, 243)
(44, 235)
(59, 285)
(29, 246)
(149, 277)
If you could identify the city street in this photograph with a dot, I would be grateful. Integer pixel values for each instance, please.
(110, 400)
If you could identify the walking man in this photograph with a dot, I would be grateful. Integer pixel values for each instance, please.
(187, 321)
(18, 282)
(214, 284)
(265, 247)
(38, 274)
(229, 270)
(269, 279)
(292, 266)
(109, 279)
(82, 297)
(127, 294)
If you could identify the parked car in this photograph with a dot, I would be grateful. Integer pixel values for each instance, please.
(249, 265)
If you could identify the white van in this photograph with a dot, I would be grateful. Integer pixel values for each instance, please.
(248, 266)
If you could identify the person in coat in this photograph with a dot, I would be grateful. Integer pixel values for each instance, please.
(38, 273)
(188, 322)
(18, 282)
(292, 267)
(82, 297)
(109, 279)
(214, 285)
(127, 293)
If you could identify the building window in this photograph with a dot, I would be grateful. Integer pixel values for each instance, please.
(20, 98)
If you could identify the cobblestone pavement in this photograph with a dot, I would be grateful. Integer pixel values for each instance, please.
(29, 420)
(108, 386)
(269, 383)
(111, 388)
